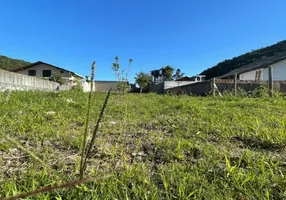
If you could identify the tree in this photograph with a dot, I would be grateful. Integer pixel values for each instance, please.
(178, 74)
(167, 73)
(7, 63)
(163, 74)
(143, 80)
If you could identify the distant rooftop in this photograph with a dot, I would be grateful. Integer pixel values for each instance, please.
(40, 62)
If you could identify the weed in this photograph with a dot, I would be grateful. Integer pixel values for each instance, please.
(122, 76)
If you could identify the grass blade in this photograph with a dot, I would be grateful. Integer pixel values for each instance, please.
(56, 187)
(87, 121)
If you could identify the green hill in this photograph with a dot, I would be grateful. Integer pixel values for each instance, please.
(245, 59)
(7, 63)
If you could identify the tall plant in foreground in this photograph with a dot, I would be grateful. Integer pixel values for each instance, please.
(87, 121)
(85, 153)
(122, 76)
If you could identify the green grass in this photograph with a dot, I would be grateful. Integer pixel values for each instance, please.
(154, 147)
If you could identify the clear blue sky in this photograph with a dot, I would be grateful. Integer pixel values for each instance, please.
(188, 34)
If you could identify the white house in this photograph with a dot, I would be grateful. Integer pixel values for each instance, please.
(258, 71)
(46, 71)
(279, 72)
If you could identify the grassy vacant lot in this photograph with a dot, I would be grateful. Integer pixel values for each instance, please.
(154, 147)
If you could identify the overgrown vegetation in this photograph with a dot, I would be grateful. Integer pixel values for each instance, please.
(10, 63)
(151, 146)
(57, 77)
(245, 59)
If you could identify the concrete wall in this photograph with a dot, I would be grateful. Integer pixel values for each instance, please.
(205, 88)
(100, 86)
(199, 88)
(248, 86)
(165, 85)
(86, 86)
(157, 87)
(15, 81)
(104, 86)
(65, 87)
(228, 86)
(171, 84)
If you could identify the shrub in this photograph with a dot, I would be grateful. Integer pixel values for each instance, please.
(261, 91)
(57, 77)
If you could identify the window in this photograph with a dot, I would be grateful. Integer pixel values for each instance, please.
(31, 72)
(47, 73)
(61, 72)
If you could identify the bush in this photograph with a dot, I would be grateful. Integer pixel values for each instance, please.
(261, 91)
(57, 77)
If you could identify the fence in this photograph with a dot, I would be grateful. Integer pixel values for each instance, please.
(14, 81)
(248, 86)
(199, 88)
(161, 87)
(225, 85)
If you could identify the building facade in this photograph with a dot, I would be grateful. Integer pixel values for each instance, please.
(262, 74)
(46, 71)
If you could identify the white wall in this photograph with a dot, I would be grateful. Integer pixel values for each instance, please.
(100, 86)
(39, 70)
(86, 86)
(171, 84)
(15, 81)
(279, 71)
(250, 75)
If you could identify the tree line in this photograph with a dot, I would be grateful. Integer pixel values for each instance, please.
(7, 63)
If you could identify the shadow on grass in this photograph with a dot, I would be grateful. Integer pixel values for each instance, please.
(253, 143)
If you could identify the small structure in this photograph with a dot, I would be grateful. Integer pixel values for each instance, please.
(103, 86)
(161, 87)
(46, 71)
(258, 71)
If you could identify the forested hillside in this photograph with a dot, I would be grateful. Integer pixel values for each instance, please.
(10, 63)
(244, 59)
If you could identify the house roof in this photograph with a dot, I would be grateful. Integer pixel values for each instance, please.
(184, 77)
(192, 78)
(40, 62)
(256, 65)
